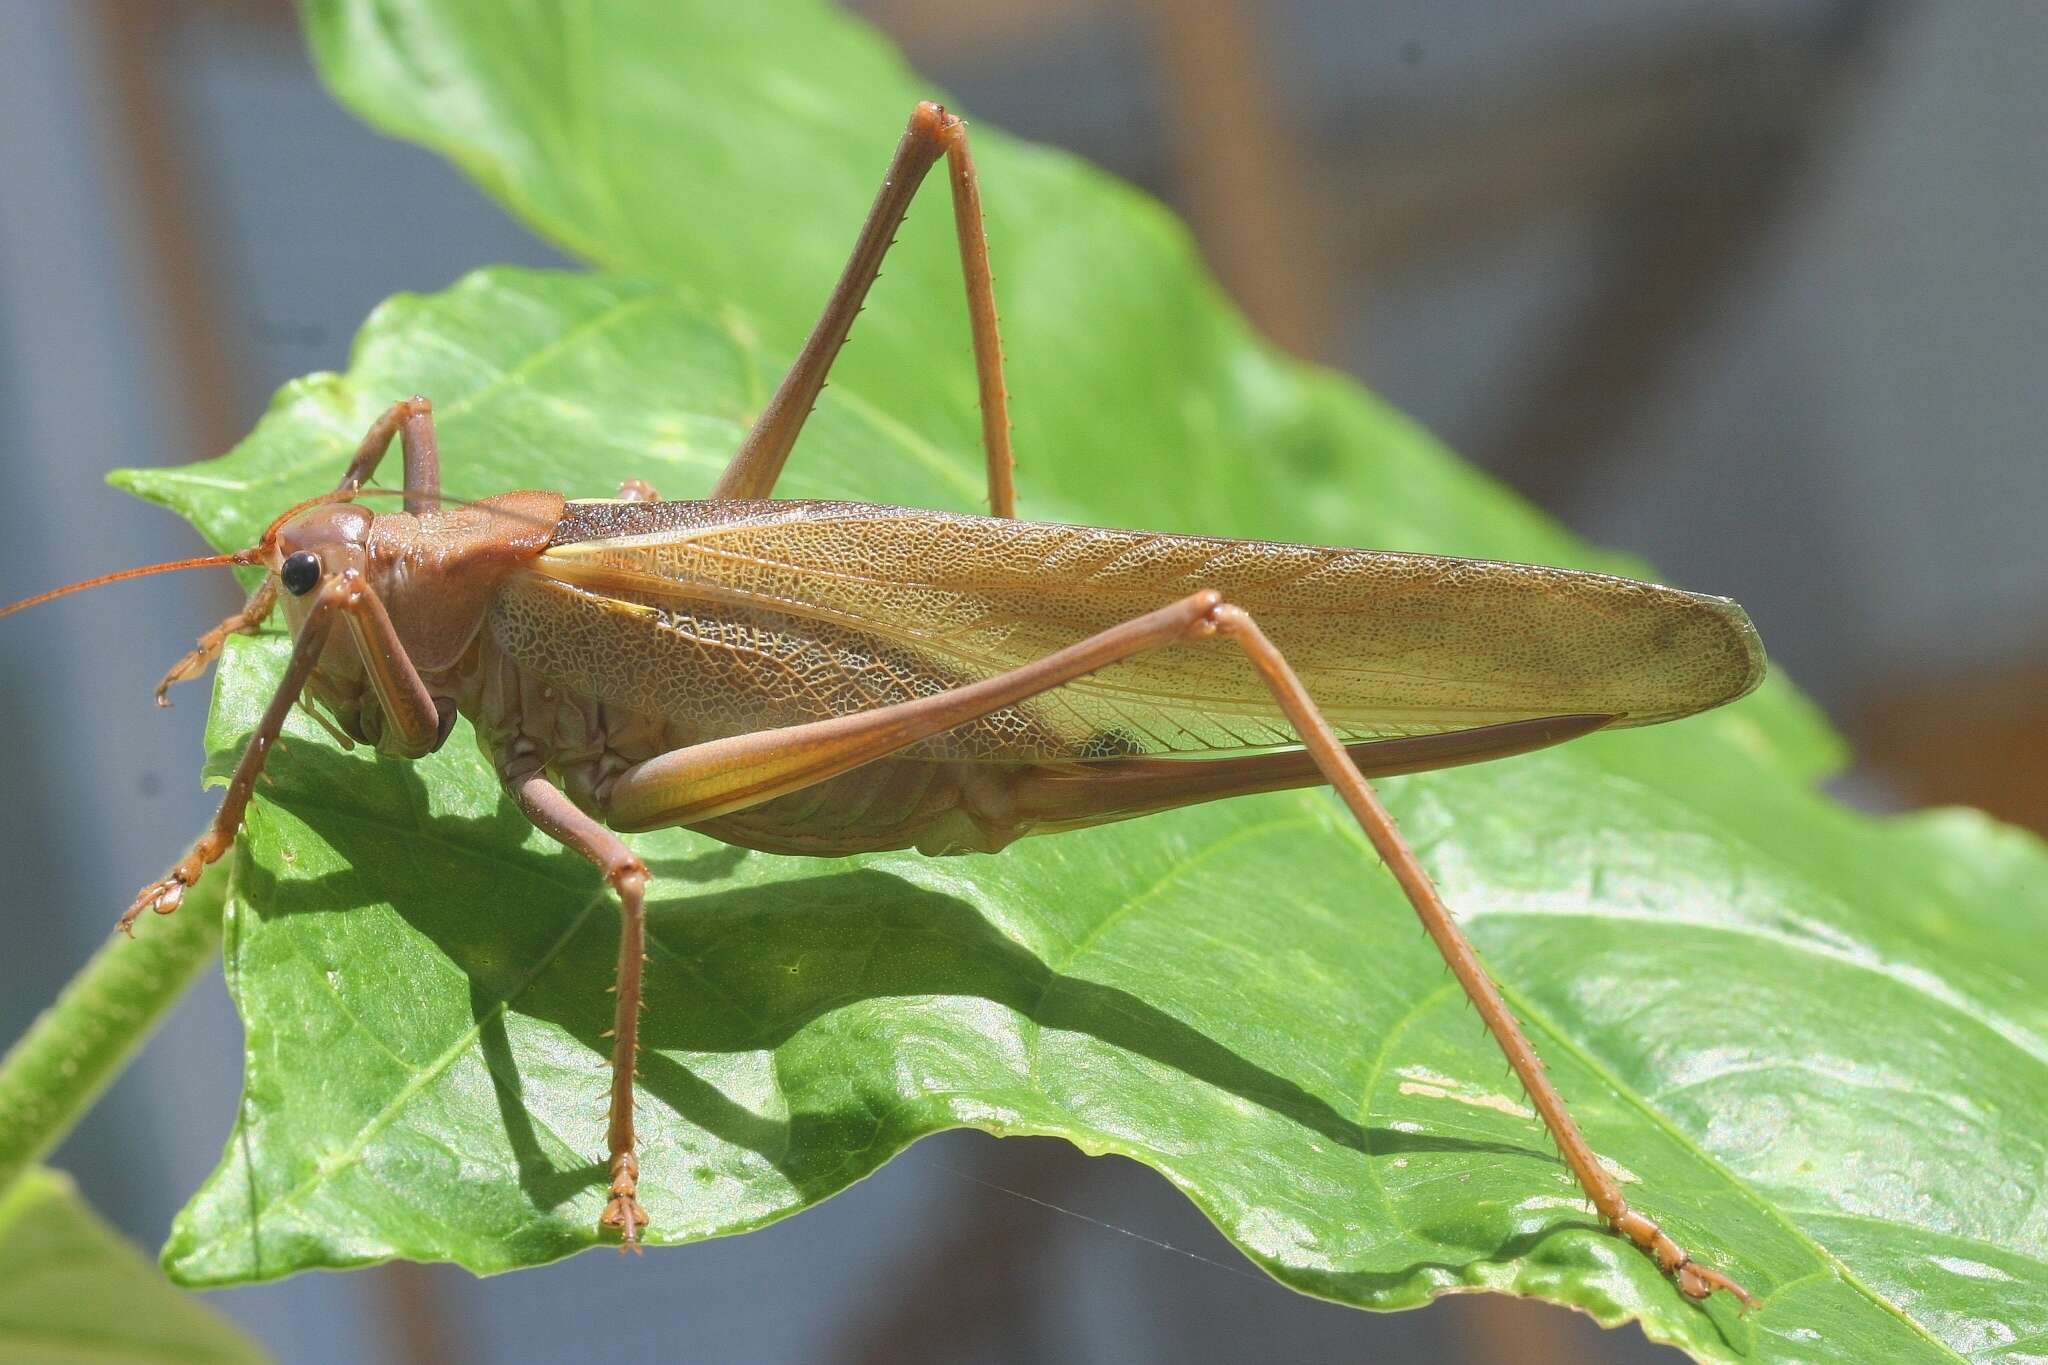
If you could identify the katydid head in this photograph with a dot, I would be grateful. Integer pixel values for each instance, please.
(416, 586)
(315, 544)
(432, 573)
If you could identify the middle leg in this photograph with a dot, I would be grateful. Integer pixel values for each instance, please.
(556, 816)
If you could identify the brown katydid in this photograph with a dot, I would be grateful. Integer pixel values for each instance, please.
(832, 678)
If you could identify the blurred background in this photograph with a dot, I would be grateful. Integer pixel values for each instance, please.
(1754, 290)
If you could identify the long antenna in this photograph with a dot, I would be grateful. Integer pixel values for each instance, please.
(239, 557)
(202, 562)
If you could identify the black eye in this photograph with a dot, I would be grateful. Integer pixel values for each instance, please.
(300, 572)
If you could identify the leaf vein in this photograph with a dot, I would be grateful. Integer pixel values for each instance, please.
(426, 1076)
(1685, 1142)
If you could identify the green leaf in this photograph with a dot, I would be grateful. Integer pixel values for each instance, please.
(73, 1290)
(1815, 1042)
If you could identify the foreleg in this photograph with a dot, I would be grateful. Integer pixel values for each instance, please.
(412, 421)
(415, 723)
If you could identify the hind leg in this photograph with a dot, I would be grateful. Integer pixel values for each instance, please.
(717, 777)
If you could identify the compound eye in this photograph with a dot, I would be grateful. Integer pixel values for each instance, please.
(300, 573)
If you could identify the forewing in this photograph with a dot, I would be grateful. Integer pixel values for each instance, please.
(850, 606)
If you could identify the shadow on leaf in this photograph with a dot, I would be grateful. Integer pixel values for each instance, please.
(854, 961)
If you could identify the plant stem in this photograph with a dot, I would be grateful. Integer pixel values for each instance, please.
(76, 1047)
